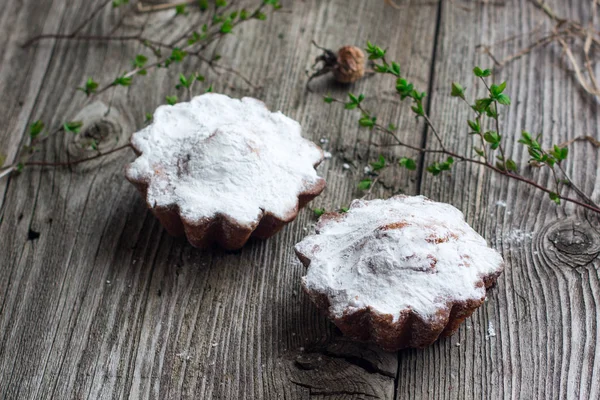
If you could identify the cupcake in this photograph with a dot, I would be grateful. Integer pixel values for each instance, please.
(400, 272)
(220, 170)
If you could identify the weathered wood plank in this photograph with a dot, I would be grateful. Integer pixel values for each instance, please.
(105, 305)
(544, 310)
(243, 336)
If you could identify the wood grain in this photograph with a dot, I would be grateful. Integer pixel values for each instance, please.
(544, 310)
(98, 302)
(104, 304)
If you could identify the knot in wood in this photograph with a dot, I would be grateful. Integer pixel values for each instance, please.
(101, 131)
(572, 242)
(309, 362)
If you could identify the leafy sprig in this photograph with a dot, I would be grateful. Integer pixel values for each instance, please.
(490, 153)
(159, 54)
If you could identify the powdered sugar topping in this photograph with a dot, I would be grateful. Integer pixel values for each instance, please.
(397, 254)
(218, 155)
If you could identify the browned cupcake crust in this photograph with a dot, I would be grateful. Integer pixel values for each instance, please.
(220, 170)
(400, 272)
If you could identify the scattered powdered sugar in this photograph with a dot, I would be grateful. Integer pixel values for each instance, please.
(491, 330)
(397, 254)
(327, 155)
(216, 154)
(501, 203)
(346, 166)
(515, 236)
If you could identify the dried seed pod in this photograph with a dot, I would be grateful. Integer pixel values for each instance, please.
(350, 65)
(347, 65)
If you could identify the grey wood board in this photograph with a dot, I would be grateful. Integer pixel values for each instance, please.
(104, 304)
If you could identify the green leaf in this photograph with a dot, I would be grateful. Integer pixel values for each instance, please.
(149, 117)
(184, 81)
(493, 138)
(434, 169)
(482, 105)
(457, 90)
(559, 153)
(319, 211)
(90, 87)
(392, 127)
(375, 52)
(274, 3)
(203, 4)
(260, 16)
(177, 55)
(196, 37)
(365, 184)
(73, 126)
(139, 61)
(171, 100)
(564, 152)
(395, 68)
(511, 165)
(367, 121)
(220, 3)
(503, 99)
(526, 139)
(328, 99)
(495, 90)
(418, 109)
(380, 68)
(227, 26)
(344, 209)
(35, 129)
(404, 88)
(490, 112)
(350, 106)
(474, 126)
(353, 98)
(123, 81)
(118, 3)
(379, 164)
(180, 9)
(481, 73)
(408, 163)
(437, 167)
(555, 197)
(243, 15)
(479, 151)
(209, 90)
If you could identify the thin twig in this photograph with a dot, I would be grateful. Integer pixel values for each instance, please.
(595, 142)
(502, 171)
(143, 8)
(564, 29)
(371, 187)
(11, 168)
(575, 65)
(76, 31)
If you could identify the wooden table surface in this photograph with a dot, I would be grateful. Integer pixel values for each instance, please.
(98, 302)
